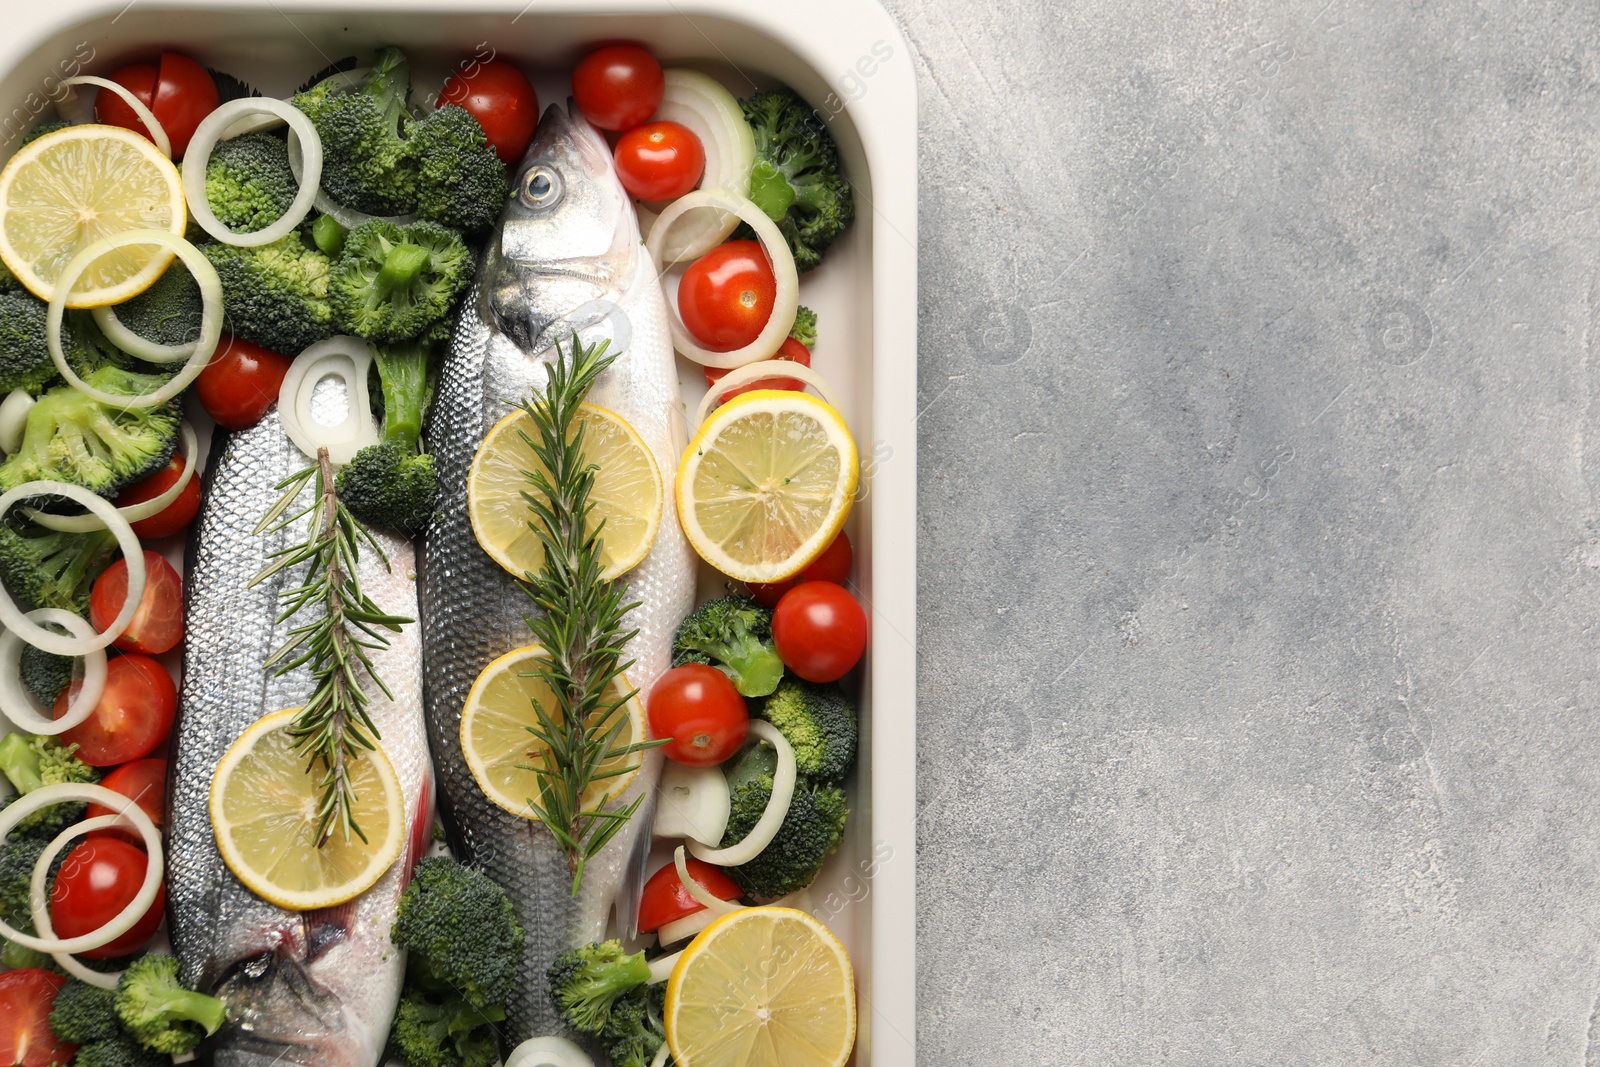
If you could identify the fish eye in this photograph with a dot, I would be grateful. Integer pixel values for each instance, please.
(541, 188)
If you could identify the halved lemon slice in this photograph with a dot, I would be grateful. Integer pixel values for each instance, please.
(73, 187)
(627, 491)
(501, 752)
(766, 484)
(264, 813)
(762, 987)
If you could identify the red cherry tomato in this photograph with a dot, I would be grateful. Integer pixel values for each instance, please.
(726, 295)
(157, 625)
(179, 91)
(660, 160)
(176, 515)
(98, 880)
(133, 717)
(701, 711)
(820, 631)
(618, 86)
(791, 350)
(143, 781)
(832, 566)
(26, 997)
(241, 382)
(501, 98)
(665, 900)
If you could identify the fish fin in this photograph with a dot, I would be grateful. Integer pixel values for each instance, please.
(633, 877)
(326, 927)
(421, 830)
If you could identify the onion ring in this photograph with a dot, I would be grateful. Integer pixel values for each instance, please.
(766, 828)
(144, 509)
(210, 316)
(18, 704)
(14, 419)
(709, 900)
(105, 317)
(158, 134)
(660, 967)
(345, 357)
(686, 927)
(198, 156)
(712, 114)
(11, 616)
(41, 914)
(787, 302)
(755, 372)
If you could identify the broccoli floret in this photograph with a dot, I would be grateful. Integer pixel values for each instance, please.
(460, 179)
(463, 927)
(811, 831)
(584, 983)
(275, 295)
(83, 1013)
(634, 1030)
(158, 1012)
(17, 957)
(24, 358)
(40, 130)
(50, 569)
(248, 182)
(119, 1051)
(45, 674)
(805, 327)
(70, 437)
(168, 312)
(733, 634)
(31, 761)
(819, 722)
(384, 485)
(328, 234)
(398, 282)
(18, 855)
(444, 1030)
(366, 164)
(796, 178)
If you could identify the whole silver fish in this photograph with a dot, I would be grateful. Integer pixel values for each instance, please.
(301, 988)
(567, 255)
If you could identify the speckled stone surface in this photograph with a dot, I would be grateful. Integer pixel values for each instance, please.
(1259, 532)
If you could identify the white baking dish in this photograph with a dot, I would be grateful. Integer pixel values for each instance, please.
(846, 57)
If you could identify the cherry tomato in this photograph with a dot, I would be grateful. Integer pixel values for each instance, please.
(176, 515)
(98, 880)
(832, 566)
(820, 631)
(133, 717)
(241, 382)
(660, 160)
(179, 91)
(26, 997)
(698, 707)
(665, 900)
(501, 98)
(726, 295)
(618, 86)
(791, 350)
(157, 625)
(143, 781)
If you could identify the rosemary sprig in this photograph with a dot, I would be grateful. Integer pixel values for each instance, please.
(581, 622)
(333, 728)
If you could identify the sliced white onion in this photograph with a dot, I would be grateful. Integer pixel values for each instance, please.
(766, 828)
(712, 903)
(783, 269)
(14, 419)
(11, 615)
(41, 913)
(133, 512)
(301, 134)
(348, 359)
(661, 968)
(19, 705)
(662, 1054)
(755, 372)
(682, 929)
(348, 217)
(126, 809)
(150, 351)
(158, 135)
(701, 103)
(692, 802)
(550, 1052)
(210, 315)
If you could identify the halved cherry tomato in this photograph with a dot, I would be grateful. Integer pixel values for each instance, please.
(501, 98)
(26, 997)
(832, 566)
(660, 160)
(143, 781)
(701, 711)
(241, 382)
(665, 900)
(180, 91)
(97, 880)
(176, 515)
(132, 719)
(820, 631)
(157, 625)
(791, 350)
(618, 86)
(726, 295)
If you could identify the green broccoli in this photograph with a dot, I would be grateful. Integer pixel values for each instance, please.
(819, 722)
(444, 1031)
(811, 831)
(25, 361)
(31, 761)
(390, 483)
(71, 437)
(249, 184)
(328, 234)
(460, 179)
(158, 1012)
(366, 164)
(805, 327)
(45, 674)
(168, 312)
(19, 853)
(398, 282)
(17, 957)
(584, 983)
(48, 126)
(50, 569)
(276, 295)
(796, 178)
(634, 1030)
(83, 1013)
(733, 634)
(119, 1051)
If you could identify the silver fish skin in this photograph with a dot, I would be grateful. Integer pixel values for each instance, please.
(301, 988)
(566, 255)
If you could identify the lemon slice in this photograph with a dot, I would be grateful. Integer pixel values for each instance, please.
(73, 187)
(766, 484)
(627, 492)
(264, 813)
(501, 752)
(762, 987)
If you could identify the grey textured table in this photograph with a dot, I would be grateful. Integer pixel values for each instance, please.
(1259, 532)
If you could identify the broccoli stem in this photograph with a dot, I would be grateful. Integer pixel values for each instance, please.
(403, 373)
(180, 1003)
(770, 190)
(20, 762)
(401, 267)
(328, 234)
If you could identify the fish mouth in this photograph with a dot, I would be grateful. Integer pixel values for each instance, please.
(277, 1012)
